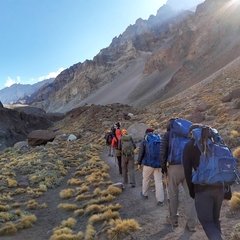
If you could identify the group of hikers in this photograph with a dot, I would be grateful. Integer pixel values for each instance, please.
(191, 155)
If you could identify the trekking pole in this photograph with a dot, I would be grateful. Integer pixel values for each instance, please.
(168, 197)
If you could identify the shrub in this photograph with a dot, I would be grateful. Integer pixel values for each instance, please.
(235, 201)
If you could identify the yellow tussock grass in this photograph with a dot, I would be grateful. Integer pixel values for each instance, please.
(114, 190)
(78, 212)
(8, 229)
(122, 227)
(82, 197)
(67, 193)
(235, 201)
(90, 232)
(68, 206)
(70, 222)
(74, 182)
(11, 182)
(108, 215)
(236, 153)
(4, 208)
(26, 221)
(66, 234)
(82, 189)
(234, 134)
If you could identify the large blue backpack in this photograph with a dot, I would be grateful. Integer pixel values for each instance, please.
(152, 155)
(217, 164)
(178, 138)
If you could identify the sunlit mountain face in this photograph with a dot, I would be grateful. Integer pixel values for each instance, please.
(183, 4)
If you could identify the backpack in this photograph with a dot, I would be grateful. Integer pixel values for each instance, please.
(127, 145)
(153, 157)
(178, 138)
(217, 164)
(109, 137)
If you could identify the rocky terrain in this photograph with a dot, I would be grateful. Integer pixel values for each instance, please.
(153, 59)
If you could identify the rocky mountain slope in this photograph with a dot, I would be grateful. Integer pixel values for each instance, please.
(153, 59)
(21, 92)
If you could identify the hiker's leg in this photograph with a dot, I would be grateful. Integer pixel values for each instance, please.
(124, 170)
(147, 172)
(119, 158)
(174, 179)
(218, 194)
(131, 170)
(204, 202)
(190, 209)
(158, 184)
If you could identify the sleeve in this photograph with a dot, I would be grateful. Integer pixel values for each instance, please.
(188, 166)
(164, 149)
(113, 142)
(141, 152)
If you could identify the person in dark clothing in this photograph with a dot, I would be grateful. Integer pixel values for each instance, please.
(208, 198)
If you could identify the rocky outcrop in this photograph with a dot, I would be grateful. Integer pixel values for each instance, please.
(15, 126)
(40, 137)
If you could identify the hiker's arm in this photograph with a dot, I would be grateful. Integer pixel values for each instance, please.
(164, 151)
(141, 153)
(188, 155)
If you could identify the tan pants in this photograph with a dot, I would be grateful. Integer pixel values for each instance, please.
(128, 168)
(175, 178)
(157, 174)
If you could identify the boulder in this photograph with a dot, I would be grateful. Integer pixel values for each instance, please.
(40, 137)
(137, 130)
(1, 105)
(71, 138)
(21, 145)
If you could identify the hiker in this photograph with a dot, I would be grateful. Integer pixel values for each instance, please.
(116, 146)
(108, 137)
(149, 157)
(128, 147)
(171, 149)
(207, 191)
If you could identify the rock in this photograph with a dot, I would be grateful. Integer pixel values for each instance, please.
(137, 130)
(1, 105)
(71, 138)
(21, 145)
(236, 103)
(232, 95)
(40, 137)
(201, 107)
(196, 117)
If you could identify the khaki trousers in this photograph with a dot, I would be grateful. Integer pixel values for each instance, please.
(175, 178)
(128, 168)
(157, 174)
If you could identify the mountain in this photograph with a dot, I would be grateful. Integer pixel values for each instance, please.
(151, 60)
(183, 4)
(16, 92)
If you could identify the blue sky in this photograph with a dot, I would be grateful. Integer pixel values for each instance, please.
(39, 38)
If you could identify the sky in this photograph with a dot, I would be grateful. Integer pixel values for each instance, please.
(40, 38)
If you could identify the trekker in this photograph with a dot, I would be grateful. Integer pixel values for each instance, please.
(171, 149)
(208, 195)
(149, 156)
(108, 137)
(116, 145)
(128, 147)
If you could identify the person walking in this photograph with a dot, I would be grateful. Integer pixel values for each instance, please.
(149, 157)
(127, 150)
(208, 197)
(176, 177)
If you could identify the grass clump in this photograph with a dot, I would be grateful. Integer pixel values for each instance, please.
(67, 193)
(120, 228)
(68, 206)
(235, 201)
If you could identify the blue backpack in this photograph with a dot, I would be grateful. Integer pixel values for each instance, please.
(178, 138)
(217, 164)
(152, 155)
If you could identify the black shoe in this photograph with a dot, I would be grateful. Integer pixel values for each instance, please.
(143, 196)
(160, 203)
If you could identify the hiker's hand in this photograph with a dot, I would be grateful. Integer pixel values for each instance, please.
(139, 167)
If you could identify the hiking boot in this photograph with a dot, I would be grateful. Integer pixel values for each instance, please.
(169, 221)
(160, 204)
(143, 196)
(190, 229)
